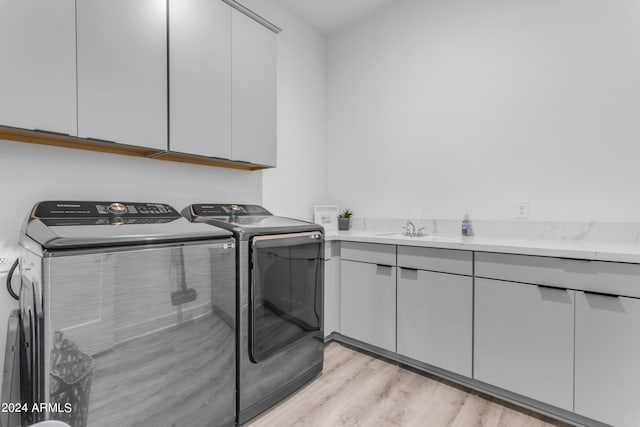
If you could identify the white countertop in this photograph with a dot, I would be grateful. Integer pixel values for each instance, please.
(589, 250)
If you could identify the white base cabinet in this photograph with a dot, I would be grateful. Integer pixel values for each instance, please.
(435, 318)
(331, 288)
(607, 358)
(535, 326)
(38, 71)
(524, 339)
(368, 303)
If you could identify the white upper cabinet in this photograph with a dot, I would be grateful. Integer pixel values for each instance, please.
(122, 71)
(38, 72)
(253, 91)
(200, 77)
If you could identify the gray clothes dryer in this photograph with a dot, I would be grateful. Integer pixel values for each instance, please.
(127, 316)
(280, 277)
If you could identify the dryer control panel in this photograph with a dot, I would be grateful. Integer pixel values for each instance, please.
(100, 213)
(228, 210)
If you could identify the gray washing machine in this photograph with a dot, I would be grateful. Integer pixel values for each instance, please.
(127, 317)
(280, 278)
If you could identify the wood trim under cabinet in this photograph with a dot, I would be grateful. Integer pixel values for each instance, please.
(61, 140)
(207, 161)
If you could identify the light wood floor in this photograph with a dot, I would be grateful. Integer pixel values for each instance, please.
(358, 390)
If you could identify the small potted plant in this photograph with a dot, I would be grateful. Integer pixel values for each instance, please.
(344, 219)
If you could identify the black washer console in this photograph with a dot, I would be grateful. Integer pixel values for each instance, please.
(58, 213)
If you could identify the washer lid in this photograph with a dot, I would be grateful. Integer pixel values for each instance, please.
(83, 224)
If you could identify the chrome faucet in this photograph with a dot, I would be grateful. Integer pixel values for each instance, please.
(410, 230)
(413, 229)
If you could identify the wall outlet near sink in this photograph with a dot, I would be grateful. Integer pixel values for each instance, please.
(522, 211)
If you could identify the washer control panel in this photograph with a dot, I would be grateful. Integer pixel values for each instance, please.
(228, 210)
(100, 213)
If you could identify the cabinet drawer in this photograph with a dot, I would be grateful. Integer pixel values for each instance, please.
(369, 252)
(443, 260)
(596, 276)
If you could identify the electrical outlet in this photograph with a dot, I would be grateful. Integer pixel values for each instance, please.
(5, 262)
(523, 210)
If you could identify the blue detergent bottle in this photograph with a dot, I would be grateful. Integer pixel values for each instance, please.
(466, 225)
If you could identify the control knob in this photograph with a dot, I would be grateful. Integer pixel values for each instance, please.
(117, 208)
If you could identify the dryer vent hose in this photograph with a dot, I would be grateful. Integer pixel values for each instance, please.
(9, 277)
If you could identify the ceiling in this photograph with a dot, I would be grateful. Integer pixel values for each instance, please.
(330, 15)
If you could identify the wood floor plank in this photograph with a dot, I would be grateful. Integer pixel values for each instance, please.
(356, 389)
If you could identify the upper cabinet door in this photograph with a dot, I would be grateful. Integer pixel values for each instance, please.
(200, 77)
(122, 71)
(253, 91)
(38, 72)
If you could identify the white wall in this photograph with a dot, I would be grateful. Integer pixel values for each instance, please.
(297, 183)
(440, 107)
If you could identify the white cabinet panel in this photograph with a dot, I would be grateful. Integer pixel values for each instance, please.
(122, 71)
(435, 259)
(607, 355)
(200, 77)
(595, 276)
(374, 253)
(435, 318)
(524, 340)
(331, 296)
(253, 91)
(38, 72)
(368, 303)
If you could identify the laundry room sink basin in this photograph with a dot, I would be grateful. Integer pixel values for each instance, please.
(429, 238)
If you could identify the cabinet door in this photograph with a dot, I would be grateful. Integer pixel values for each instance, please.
(122, 71)
(253, 113)
(435, 318)
(524, 339)
(38, 72)
(607, 355)
(368, 303)
(200, 77)
(331, 296)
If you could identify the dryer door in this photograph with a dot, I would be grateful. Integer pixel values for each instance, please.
(285, 291)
